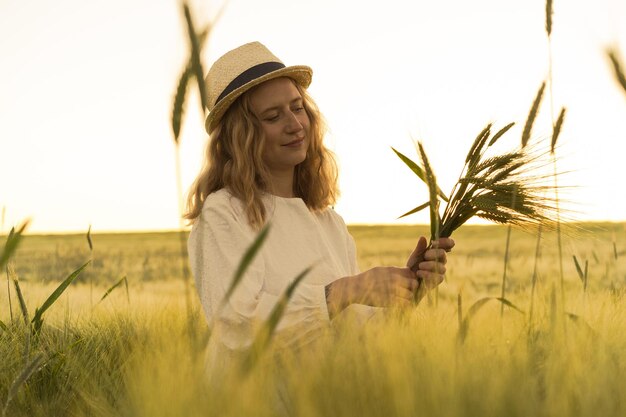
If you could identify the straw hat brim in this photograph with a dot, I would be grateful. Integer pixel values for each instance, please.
(301, 74)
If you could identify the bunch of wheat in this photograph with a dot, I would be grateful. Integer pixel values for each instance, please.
(508, 188)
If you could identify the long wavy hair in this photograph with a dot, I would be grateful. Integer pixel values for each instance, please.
(233, 160)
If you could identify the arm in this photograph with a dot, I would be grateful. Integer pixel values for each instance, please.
(388, 286)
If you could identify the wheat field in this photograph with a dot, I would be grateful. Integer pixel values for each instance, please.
(142, 354)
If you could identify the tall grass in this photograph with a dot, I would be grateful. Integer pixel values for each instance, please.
(137, 360)
(525, 137)
(193, 70)
(556, 129)
(32, 326)
(90, 243)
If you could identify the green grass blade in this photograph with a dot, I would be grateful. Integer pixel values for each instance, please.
(114, 286)
(431, 181)
(26, 373)
(9, 247)
(13, 241)
(412, 165)
(464, 328)
(579, 269)
(20, 298)
(263, 337)
(246, 260)
(528, 127)
(195, 57)
(418, 171)
(416, 209)
(127, 292)
(618, 70)
(89, 239)
(3, 326)
(475, 308)
(178, 109)
(37, 318)
(509, 304)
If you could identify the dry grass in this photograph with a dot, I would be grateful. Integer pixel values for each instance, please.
(137, 359)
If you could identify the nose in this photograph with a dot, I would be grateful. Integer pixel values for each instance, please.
(293, 123)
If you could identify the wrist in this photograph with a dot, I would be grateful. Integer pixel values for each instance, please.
(337, 296)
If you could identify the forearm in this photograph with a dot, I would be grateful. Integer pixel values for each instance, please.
(338, 296)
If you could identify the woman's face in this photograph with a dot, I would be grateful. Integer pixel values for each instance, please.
(278, 105)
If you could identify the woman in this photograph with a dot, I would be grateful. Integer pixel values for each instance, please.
(265, 163)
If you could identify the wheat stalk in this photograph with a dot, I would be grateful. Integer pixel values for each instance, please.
(616, 63)
(532, 115)
(502, 188)
(549, 17)
(29, 369)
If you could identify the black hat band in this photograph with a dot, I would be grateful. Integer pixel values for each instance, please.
(248, 75)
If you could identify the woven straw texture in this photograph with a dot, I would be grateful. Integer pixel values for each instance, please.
(232, 64)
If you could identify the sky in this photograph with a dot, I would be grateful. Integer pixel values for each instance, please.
(86, 92)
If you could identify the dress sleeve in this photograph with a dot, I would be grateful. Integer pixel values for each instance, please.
(354, 265)
(349, 242)
(216, 245)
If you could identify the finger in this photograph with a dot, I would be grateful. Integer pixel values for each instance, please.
(444, 243)
(410, 284)
(433, 266)
(405, 293)
(438, 255)
(430, 279)
(418, 253)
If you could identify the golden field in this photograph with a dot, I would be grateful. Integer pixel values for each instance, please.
(137, 354)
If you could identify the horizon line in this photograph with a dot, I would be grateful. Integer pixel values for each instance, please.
(187, 229)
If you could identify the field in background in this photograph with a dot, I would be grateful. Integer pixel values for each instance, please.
(475, 266)
(139, 356)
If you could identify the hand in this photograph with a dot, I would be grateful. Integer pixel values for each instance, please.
(380, 287)
(429, 264)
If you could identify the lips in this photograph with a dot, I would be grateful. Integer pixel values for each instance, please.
(294, 142)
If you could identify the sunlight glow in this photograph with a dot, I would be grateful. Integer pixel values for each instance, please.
(86, 90)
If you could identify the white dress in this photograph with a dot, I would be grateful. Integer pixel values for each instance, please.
(297, 239)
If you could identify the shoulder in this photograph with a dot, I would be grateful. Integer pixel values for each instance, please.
(222, 204)
(221, 199)
(331, 216)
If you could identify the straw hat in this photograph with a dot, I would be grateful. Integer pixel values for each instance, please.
(239, 70)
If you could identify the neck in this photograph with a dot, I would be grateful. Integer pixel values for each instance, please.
(282, 183)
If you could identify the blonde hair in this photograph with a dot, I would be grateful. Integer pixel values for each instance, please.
(233, 160)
